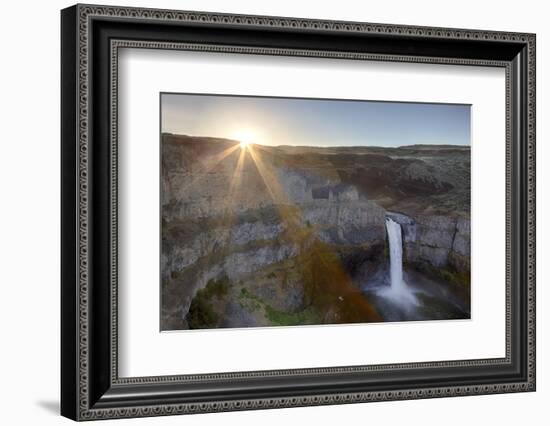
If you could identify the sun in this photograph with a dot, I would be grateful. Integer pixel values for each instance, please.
(245, 137)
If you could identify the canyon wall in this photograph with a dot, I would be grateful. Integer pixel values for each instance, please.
(436, 240)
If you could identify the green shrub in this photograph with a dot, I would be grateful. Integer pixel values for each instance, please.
(217, 288)
(201, 312)
(276, 317)
(283, 318)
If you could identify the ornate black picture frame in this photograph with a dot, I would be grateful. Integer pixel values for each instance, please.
(90, 38)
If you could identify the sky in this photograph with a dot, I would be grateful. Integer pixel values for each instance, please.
(315, 122)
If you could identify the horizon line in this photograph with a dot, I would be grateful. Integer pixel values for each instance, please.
(317, 146)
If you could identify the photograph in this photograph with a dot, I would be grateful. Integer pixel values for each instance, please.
(299, 211)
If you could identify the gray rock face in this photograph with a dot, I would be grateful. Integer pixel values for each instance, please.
(254, 231)
(460, 253)
(236, 315)
(435, 256)
(205, 194)
(461, 244)
(346, 222)
(435, 239)
(202, 191)
(295, 186)
(303, 188)
(234, 266)
(238, 264)
(435, 231)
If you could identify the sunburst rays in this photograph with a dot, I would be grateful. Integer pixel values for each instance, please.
(269, 177)
(229, 213)
(209, 164)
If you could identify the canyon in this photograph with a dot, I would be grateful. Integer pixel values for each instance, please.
(294, 235)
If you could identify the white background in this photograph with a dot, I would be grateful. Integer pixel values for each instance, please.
(29, 225)
(146, 352)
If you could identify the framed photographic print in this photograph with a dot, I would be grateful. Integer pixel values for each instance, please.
(292, 220)
(263, 212)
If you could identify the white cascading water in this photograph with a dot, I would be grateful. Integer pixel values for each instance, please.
(398, 290)
(396, 255)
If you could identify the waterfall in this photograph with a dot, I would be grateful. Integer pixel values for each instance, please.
(398, 290)
(396, 255)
